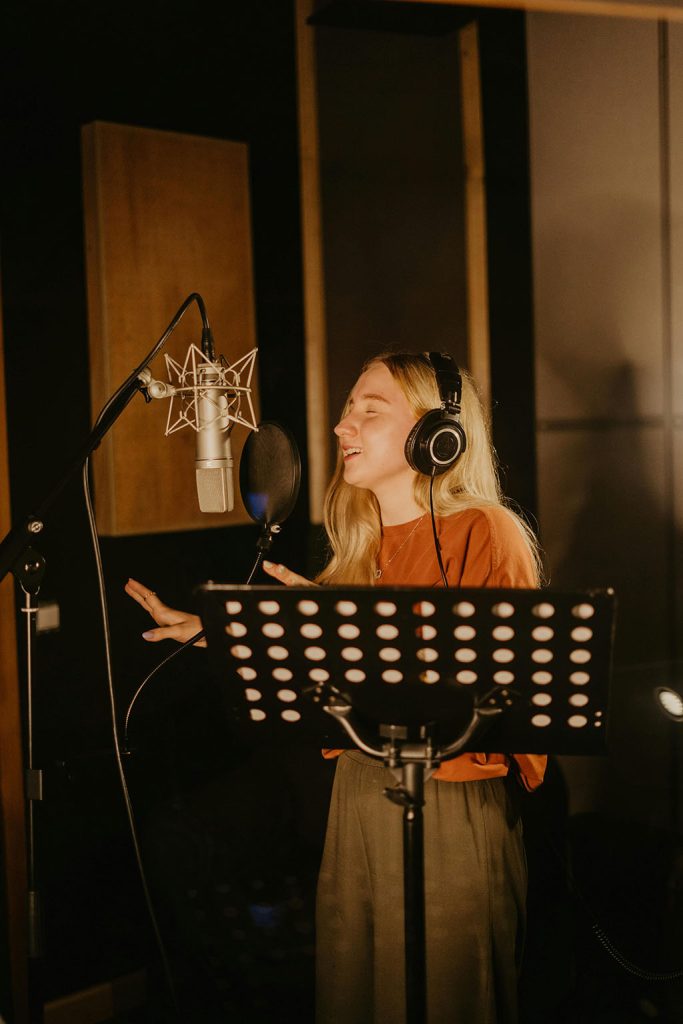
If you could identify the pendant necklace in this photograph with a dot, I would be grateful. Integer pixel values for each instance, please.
(380, 572)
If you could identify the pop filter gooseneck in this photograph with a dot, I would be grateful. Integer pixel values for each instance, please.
(270, 476)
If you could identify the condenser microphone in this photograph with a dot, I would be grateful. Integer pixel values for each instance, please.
(210, 396)
(213, 462)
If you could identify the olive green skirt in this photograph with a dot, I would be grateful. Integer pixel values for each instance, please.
(475, 890)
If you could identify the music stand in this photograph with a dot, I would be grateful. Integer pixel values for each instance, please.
(415, 676)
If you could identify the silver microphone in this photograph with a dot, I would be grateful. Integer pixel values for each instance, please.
(213, 463)
(209, 395)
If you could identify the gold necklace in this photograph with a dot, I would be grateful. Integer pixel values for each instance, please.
(380, 572)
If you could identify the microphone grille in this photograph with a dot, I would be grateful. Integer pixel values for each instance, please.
(215, 490)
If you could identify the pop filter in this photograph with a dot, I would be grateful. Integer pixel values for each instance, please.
(270, 474)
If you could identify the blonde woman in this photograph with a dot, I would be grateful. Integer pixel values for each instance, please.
(380, 531)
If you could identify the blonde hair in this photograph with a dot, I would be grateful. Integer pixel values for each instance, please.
(352, 515)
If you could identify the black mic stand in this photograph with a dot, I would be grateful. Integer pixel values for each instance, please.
(30, 575)
(19, 556)
(15, 544)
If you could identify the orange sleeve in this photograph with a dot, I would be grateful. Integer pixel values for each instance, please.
(496, 552)
(531, 769)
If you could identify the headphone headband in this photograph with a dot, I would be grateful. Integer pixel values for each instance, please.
(448, 380)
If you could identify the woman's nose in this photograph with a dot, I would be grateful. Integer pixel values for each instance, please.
(345, 426)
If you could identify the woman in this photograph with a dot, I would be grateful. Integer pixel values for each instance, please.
(380, 532)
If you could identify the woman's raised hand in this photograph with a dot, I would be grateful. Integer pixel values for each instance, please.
(284, 575)
(175, 625)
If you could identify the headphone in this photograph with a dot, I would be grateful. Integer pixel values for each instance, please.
(438, 440)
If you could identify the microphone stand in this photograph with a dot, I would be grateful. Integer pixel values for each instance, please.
(19, 556)
(16, 545)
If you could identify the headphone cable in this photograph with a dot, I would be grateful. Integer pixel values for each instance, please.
(437, 546)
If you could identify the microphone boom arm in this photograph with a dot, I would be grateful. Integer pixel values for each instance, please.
(21, 537)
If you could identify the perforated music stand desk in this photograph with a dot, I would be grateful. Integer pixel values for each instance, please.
(414, 676)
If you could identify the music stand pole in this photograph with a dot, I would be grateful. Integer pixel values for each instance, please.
(413, 763)
(412, 798)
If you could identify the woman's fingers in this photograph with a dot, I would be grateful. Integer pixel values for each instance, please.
(181, 626)
(138, 591)
(142, 594)
(147, 599)
(174, 624)
(181, 632)
(286, 576)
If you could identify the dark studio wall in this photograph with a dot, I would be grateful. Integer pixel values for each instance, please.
(392, 176)
(227, 72)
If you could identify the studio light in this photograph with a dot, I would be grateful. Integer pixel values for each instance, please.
(669, 702)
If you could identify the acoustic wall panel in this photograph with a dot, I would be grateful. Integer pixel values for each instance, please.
(392, 190)
(165, 215)
(594, 126)
(600, 126)
(675, 122)
(675, 84)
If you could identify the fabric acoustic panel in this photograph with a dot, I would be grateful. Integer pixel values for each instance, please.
(166, 214)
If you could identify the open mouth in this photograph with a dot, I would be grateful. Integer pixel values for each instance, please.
(351, 453)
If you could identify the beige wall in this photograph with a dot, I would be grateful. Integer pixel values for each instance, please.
(605, 130)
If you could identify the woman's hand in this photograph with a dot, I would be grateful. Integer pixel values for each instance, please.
(175, 625)
(284, 575)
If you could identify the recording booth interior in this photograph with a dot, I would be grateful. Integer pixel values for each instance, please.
(334, 179)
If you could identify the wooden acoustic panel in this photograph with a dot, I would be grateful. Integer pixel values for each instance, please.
(476, 247)
(165, 215)
(317, 418)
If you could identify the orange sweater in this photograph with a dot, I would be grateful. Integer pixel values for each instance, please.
(480, 547)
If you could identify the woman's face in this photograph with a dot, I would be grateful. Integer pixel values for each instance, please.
(373, 433)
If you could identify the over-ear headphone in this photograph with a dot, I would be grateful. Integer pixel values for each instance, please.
(438, 440)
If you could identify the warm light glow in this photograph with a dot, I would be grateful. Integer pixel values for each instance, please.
(670, 702)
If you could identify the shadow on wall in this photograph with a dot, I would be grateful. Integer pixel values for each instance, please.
(606, 505)
(606, 500)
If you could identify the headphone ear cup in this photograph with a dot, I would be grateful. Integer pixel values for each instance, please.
(435, 443)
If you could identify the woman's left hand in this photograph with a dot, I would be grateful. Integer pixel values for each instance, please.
(284, 575)
(175, 625)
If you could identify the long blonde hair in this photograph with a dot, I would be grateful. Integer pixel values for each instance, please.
(352, 515)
